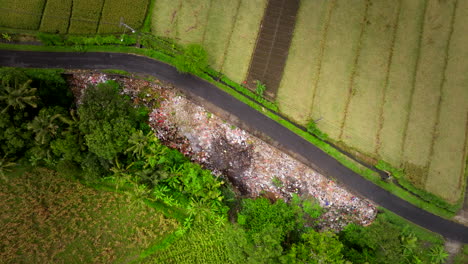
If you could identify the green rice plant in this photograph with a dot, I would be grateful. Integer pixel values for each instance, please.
(260, 88)
(132, 13)
(193, 60)
(85, 16)
(21, 14)
(56, 17)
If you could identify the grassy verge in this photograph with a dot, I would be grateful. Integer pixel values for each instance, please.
(47, 218)
(367, 173)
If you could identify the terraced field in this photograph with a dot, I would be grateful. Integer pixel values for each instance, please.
(388, 81)
(74, 17)
(228, 29)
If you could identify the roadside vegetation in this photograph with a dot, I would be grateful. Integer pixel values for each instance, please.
(63, 163)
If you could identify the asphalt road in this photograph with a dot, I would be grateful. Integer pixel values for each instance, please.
(249, 116)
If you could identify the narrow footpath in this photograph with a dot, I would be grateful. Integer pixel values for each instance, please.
(255, 120)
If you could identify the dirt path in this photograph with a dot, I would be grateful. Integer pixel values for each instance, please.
(274, 39)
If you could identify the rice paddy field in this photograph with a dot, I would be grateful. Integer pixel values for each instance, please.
(73, 17)
(227, 29)
(388, 79)
(47, 218)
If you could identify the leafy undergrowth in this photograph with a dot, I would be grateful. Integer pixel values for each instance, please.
(49, 219)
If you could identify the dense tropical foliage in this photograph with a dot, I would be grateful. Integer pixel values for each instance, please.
(106, 141)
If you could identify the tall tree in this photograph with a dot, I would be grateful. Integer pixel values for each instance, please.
(18, 96)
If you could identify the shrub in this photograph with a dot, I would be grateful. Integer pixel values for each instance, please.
(193, 60)
(107, 119)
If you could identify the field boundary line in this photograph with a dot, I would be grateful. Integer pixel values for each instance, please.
(323, 42)
(100, 16)
(42, 15)
(464, 161)
(378, 139)
(435, 130)
(70, 17)
(413, 86)
(206, 21)
(228, 44)
(175, 24)
(353, 72)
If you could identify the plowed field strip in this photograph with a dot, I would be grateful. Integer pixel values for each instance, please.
(274, 41)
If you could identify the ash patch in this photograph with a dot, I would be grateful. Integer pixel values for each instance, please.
(231, 160)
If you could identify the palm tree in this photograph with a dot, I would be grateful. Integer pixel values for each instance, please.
(138, 142)
(44, 127)
(18, 96)
(5, 166)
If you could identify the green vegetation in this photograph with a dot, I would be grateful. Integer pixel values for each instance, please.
(385, 81)
(132, 12)
(226, 29)
(462, 257)
(79, 17)
(362, 120)
(301, 74)
(397, 102)
(22, 14)
(55, 18)
(85, 17)
(48, 218)
(448, 161)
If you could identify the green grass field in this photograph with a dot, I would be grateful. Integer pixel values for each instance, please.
(49, 219)
(21, 14)
(226, 29)
(192, 21)
(364, 111)
(243, 38)
(448, 160)
(388, 84)
(204, 243)
(132, 11)
(400, 81)
(85, 16)
(341, 48)
(56, 16)
(295, 95)
(79, 17)
(427, 89)
(219, 27)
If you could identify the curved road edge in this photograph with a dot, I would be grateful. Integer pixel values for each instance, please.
(252, 118)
